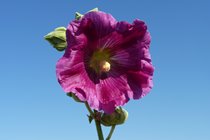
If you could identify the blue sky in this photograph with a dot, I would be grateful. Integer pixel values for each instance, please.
(34, 107)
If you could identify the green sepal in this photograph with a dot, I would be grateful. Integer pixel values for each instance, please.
(90, 118)
(70, 94)
(57, 38)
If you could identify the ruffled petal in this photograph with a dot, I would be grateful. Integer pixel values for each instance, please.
(140, 84)
(128, 45)
(147, 67)
(97, 24)
(112, 92)
(75, 39)
(123, 27)
(131, 32)
(73, 77)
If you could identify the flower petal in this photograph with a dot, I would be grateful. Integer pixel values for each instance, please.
(140, 83)
(72, 76)
(133, 45)
(108, 108)
(112, 92)
(75, 39)
(97, 24)
(147, 67)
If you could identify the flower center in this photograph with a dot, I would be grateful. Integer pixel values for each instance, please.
(105, 66)
(100, 61)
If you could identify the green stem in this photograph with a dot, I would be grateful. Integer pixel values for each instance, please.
(99, 130)
(97, 122)
(111, 132)
(89, 109)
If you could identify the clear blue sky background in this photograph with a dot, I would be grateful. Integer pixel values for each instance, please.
(34, 107)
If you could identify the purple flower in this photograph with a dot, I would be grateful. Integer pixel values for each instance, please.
(106, 62)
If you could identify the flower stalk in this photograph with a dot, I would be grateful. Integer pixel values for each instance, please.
(97, 122)
(89, 109)
(111, 132)
(99, 130)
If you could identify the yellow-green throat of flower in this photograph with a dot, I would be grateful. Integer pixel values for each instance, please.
(100, 61)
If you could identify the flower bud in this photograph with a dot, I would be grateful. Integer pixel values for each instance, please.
(94, 10)
(119, 116)
(78, 16)
(70, 94)
(57, 38)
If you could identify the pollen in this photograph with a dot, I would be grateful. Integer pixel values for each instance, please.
(105, 66)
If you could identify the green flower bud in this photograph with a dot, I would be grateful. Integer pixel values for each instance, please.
(78, 16)
(94, 10)
(70, 94)
(119, 116)
(57, 38)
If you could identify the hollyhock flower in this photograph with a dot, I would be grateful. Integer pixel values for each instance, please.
(106, 62)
